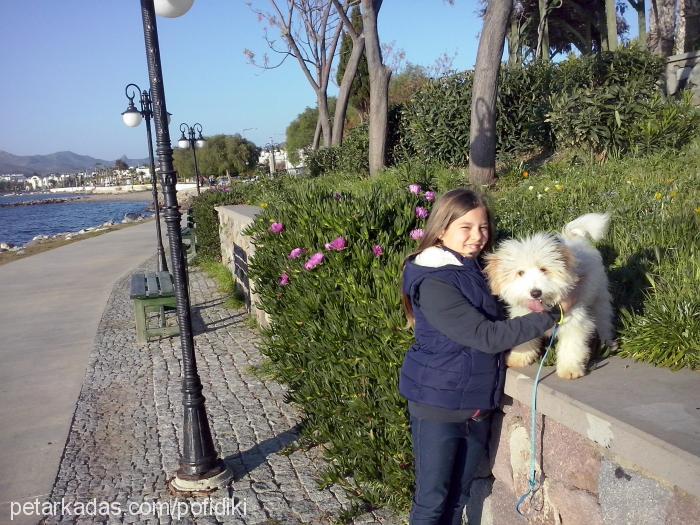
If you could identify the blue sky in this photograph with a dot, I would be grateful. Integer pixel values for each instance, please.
(65, 64)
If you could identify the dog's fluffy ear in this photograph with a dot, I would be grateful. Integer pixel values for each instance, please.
(491, 270)
(568, 258)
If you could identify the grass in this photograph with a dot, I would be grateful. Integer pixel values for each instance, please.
(234, 298)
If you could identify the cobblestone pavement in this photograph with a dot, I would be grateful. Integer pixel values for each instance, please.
(125, 436)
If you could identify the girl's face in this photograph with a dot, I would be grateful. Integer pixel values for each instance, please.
(468, 234)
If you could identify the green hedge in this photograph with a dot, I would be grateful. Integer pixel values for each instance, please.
(337, 336)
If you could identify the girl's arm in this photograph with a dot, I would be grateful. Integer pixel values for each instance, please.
(448, 311)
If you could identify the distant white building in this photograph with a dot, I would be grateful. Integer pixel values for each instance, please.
(282, 161)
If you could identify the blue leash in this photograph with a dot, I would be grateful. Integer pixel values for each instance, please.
(533, 484)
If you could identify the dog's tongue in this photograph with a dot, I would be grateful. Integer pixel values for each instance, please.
(535, 306)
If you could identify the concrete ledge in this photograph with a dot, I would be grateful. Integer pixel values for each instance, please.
(644, 417)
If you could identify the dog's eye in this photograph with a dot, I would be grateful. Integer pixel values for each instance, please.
(543, 270)
(521, 273)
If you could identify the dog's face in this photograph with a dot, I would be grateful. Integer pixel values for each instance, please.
(532, 271)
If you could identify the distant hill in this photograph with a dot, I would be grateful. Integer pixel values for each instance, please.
(60, 162)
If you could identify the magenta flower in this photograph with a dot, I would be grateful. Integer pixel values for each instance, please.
(277, 227)
(422, 213)
(430, 196)
(284, 279)
(337, 245)
(416, 234)
(296, 253)
(314, 261)
(414, 188)
(377, 250)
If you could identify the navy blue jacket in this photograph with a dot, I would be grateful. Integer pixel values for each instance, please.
(440, 371)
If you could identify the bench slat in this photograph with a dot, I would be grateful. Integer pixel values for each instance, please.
(166, 283)
(152, 285)
(138, 285)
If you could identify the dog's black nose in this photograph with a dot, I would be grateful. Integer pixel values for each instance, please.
(535, 293)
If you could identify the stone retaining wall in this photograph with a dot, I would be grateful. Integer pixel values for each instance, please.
(599, 473)
(237, 249)
(683, 72)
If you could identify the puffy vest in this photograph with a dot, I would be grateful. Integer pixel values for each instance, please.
(438, 371)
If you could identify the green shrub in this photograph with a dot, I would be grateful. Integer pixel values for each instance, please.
(350, 157)
(617, 119)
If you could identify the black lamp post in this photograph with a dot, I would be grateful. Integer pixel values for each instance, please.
(190, 141)
(200, 466)
(132, 118)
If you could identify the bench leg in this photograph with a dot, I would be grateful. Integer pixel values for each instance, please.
(140, 316)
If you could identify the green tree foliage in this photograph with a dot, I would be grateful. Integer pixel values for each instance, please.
(359, 91)
(119, 164)
(405, 84)
(300, 132)
(229, 155)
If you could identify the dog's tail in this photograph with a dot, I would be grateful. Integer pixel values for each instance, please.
(592, 225)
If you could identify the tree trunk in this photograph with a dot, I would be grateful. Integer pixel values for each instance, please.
(543, 32)
(341, 105)
(662, 27)
(688, 36)
(317, 134)
(611, 24)
(638, 6)
(482, 135)
(324, 118)
(379, 76)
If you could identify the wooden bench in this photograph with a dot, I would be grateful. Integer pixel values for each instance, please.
(152, 291)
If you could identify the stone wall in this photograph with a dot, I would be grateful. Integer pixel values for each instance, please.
(601, 471)
(237, 249)
(683, 72)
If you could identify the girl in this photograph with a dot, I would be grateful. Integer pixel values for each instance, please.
(453, 375)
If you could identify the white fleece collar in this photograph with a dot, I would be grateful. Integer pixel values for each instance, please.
(435, 257)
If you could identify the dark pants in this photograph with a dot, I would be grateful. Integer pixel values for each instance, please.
(446, 458)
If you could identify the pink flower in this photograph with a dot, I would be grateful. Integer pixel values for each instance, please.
(377, 250)
(414, 188)
(284, 279)
(337, 245)
(421, 212)
(416, 234)
(430, 196)
(277, 227)
(296, 253)
(314, 261)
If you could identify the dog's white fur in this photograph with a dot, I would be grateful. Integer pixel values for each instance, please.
(558, 266)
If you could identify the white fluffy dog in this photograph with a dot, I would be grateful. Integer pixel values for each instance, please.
(542, 270)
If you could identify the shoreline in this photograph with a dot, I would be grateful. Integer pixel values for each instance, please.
(49, 243)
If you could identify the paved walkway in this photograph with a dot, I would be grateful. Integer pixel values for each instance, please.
(124, 439)
(50, 306)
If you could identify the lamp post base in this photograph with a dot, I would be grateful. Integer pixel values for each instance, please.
(219, 480)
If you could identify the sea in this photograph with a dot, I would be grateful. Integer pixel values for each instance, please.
(21, 224)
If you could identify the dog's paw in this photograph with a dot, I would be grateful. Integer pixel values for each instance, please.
(520, 359)
(571, 372)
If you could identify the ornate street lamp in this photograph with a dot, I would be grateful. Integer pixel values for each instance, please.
(132, 117)
(200, 466)
(190, 141)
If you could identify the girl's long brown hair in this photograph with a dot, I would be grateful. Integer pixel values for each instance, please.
(450, 207)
